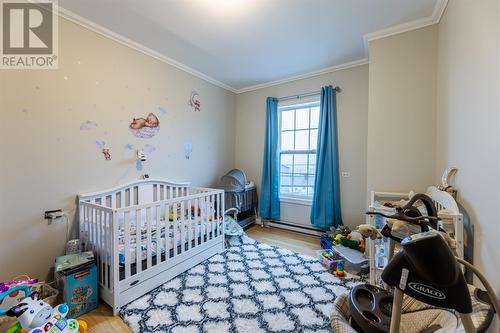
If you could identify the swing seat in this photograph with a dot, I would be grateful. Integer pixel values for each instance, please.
(420, 317)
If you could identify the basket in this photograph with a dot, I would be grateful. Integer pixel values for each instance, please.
(49, 296)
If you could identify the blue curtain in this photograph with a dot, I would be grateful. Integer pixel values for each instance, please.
(269, 190)
(325, 210)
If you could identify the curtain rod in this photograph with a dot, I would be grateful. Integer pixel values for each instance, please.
(314, 93)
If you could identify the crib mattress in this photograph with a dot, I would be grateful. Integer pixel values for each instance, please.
(166, 240)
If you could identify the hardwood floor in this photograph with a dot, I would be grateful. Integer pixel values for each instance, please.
(290, 240)
(102, 320)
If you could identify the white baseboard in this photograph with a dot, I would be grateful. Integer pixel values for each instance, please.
(297, 228)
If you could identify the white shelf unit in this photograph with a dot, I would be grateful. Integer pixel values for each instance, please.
(381, 251)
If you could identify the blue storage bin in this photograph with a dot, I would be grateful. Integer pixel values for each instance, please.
(325, 243)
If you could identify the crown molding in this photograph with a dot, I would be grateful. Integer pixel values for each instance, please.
(327, 70)
(434, 18)
(75, 18)
(437, 13)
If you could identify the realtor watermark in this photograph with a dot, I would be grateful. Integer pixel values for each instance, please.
(29, 34)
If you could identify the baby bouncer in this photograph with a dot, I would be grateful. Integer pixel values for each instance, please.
(429, 293)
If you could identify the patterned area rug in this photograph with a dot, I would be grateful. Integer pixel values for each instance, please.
(250, 288)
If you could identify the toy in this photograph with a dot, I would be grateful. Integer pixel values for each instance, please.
(328, 260)
(36, 316)
(355, 235)
(339, 270)
(343, 230)
(12, 296)
(350, 243)
(369, 231)
(231, 226)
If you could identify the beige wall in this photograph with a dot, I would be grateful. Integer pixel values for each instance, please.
(468, 118)
(402, 111)
(46, 160)
(352, 105)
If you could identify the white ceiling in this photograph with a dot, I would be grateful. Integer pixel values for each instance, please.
(245, 43)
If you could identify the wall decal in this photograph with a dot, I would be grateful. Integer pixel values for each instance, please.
(148, 149)
(188, 149)
(138, 165)
(162, 110)
(145, 128)
(194, 101)
(87, 125)
(105, 151)
(107, 155)
(128, 146)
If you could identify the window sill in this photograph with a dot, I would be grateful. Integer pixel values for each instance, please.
(297, 201)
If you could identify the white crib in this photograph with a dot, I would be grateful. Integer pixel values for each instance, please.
(146, 232)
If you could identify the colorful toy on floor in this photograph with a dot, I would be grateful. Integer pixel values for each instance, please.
(339, 270)
(350, 243)
(231, 226)
(12, 295)
(36, 316)
(328, 259)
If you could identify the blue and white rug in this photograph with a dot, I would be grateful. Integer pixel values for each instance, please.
(250, 288)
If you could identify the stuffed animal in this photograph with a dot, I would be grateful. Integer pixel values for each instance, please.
(369, 231)
(36, 316)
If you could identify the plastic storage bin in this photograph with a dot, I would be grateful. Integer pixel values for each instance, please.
(330, 263)
(355, 262)
(325, 243)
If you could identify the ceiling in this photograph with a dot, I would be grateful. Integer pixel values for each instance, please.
(245, 44)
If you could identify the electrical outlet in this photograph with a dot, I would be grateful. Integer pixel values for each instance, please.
(346, 174)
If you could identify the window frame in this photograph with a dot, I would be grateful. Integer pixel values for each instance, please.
(290, 197)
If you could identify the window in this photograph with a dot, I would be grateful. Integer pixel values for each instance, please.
(298, 138)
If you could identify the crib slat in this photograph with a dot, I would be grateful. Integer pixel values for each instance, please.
(182, 225)
(126, 249)
(219, 212)
(212, 214)
(105, 263)
(98, 241)
(92, 228)
(149, 238)
(174, 226)
(158, 234)
(138, 241)
(197, 225)
(168, 238)
(202, 220)
(189, 225)
(84, 228)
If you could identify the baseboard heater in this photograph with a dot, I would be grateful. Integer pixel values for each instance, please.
(294, 227)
